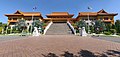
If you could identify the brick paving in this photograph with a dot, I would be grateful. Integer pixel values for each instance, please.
(8, 37)
(36, 46)
(114, 39)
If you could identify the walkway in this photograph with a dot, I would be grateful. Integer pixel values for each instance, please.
(108, 38)
(59, 45)
(10, 37)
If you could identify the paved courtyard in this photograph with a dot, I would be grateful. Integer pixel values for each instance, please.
(8, 37)
(59, 46)
(113, 39)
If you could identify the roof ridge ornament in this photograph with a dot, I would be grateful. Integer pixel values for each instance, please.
(18, 12)
(102, 11)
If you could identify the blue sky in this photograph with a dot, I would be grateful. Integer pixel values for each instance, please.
(48, 6)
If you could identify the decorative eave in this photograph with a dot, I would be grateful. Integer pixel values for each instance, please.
(108, 14)
(93, 14)
(71, 15)
(65, 14)
(13, 15)
(25, 14)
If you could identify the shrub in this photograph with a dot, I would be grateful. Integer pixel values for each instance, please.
(118, 34)
(91, 29)
(16, 31)
(8, 31)
(113, 31)
(77, 31)
(0, 30)
(44, 24)
(117, 26)
(107, 33)
(73, 24)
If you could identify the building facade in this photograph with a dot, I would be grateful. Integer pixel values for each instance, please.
(61, 17)
(27, 16)
(100, 15)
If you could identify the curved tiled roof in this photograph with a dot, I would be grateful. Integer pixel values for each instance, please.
(18, 12)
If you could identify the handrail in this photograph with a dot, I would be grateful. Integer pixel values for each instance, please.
(47, 27)
(71, 27)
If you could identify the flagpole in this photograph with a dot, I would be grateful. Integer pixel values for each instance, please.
(32, 19)
(88, 22)
(88, 18)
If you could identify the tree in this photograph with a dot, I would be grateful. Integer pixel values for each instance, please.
(99, 26)
(21, 25)
(117, 26)
(0, 24)
(38, 24)
(81, 24)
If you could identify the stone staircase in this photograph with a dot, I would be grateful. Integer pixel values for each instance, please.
(59, 29)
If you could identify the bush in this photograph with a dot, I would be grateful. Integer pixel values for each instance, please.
(8, 31)
(73, 24)
(117, 26)
(113, 31)
(16, 31)
(91, 29)
(107, 33)
(0, 30)
(77, 31)
(44, 24)
(118, 34)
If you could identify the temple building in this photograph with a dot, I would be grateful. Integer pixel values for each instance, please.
(100, 15)
(27, 16)
(61, 17)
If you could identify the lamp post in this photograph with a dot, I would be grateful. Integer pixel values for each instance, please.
(89, 8)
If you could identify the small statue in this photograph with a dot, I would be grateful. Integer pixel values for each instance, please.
(35, 32)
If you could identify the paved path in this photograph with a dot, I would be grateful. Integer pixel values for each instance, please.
(113, 39)
(57, 45)
(7, 37)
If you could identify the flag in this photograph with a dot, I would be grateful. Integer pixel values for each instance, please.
(89, 8)
(34, 8)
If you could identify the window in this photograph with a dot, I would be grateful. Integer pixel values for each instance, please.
(82, 18)
(14, 18)
(12, 23)
(105, 18)
(111, 18)
(101, 19)
(10, 19)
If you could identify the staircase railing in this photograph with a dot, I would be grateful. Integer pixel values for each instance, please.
(71, 27)
(47, 27)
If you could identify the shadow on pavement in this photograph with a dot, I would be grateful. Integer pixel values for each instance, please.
(85, 53)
